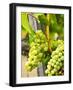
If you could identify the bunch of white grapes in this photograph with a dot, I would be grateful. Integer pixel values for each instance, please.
(37, 50)
(55, 65)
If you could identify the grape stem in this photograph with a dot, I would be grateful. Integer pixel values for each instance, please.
(47, 33)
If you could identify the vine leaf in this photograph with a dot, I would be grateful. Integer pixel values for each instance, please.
(26, 27)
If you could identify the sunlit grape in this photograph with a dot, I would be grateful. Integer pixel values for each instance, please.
(62, 58)
(60, 54)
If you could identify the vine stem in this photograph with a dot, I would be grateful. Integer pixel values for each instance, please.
(47, 33)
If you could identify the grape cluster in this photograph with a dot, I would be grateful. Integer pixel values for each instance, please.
(38, 48)
(55, 65)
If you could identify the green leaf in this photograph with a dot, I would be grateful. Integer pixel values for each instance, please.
(25, 24)
(46, 57)
(53, 23)
(36, 15)
(57, 24)
(43, 20)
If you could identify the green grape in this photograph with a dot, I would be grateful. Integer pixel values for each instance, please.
(55, 57)
(49, 74)
(28, 66)
(55, 66)
(40, 55)
(62, 58)
(38, 48)
(55, 70)
(52, 64)
(49, 67)
(56, 63)
(60, 73)
(46, 71)
(60, 54)
(45, 48)
(52, 72)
